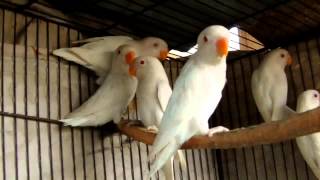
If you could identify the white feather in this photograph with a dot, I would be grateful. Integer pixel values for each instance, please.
(270, 87)
(195, 96)
(110, 100)
(153, 94)
(97, 53)
(310, 145)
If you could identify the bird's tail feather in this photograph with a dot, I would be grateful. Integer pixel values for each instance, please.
(80, 121)
(182, 160)
(87, 120)
(163, 156)
(69, 54)
(288, 112)
(167, 170)
(88, 40)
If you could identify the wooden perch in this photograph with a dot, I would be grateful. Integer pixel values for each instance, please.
(265, 133)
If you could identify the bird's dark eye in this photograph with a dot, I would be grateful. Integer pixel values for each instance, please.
(205, 39)
(155, 45)
(282, 55)
(119, 51)
(142, 62)
(315, 95)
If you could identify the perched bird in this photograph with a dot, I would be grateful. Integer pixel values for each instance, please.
(153, 93)
(113, 96)
(195, 96)
(96, 54)
(270, 87)
(310, 145)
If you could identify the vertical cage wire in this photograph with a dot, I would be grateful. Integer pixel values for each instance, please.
(237, 109)
(37, 89)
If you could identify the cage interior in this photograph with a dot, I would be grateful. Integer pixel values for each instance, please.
(38, 89)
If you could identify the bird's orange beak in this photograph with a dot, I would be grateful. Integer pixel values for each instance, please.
(130, 56)
(133, 69)
(163, 54)
(222, 46)
(289, 60)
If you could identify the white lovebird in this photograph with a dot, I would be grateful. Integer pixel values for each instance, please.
(270, 87)
(96, 54)
(310, 145)
(113, 96)
(153, 94)
(195, 96)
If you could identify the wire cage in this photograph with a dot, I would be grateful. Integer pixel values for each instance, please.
(37, 88)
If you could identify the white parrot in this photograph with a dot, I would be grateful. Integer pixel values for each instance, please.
(113, 96)
(270, 87)
(195, 96)
(310, 145)
(153, 93)
(96, 54)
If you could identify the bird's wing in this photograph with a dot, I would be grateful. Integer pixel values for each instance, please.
(108, 97)
(262, 100)
(184, 116)
(164, 93)
(179, 110)
(310, 149)
(96, 54)
(278, 95)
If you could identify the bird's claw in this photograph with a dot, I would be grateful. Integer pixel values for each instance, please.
(217, 129)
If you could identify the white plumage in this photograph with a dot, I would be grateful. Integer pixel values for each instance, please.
(310, 145)
(153, 94)
(195, 96)
(113, 96)
(96, 54)
(270, 87)
(153, 91)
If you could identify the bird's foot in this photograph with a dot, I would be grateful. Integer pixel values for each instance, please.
(152, 129)
(217, 129)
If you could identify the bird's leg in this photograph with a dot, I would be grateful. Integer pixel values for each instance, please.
(217, 129)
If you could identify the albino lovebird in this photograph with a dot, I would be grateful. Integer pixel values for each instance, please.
(113, 96)
(270, 87)
(153, 93)
(310, 145)
(96, 54)
(196, 94)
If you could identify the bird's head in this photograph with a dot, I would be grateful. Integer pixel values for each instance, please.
(281, 56)
(214, 39)
(308, 100)
(147, 66)
(125, 57)
(155, 47)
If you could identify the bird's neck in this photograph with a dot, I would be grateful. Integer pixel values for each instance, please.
(210, 59)
(274, 65)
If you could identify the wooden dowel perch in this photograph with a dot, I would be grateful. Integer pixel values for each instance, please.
(265, 133)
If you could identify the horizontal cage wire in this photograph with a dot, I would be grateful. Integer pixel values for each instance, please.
(38, 89)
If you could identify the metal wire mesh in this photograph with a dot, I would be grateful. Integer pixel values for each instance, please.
(37, 89)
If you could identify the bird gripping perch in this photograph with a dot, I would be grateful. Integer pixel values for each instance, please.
(265, 133)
